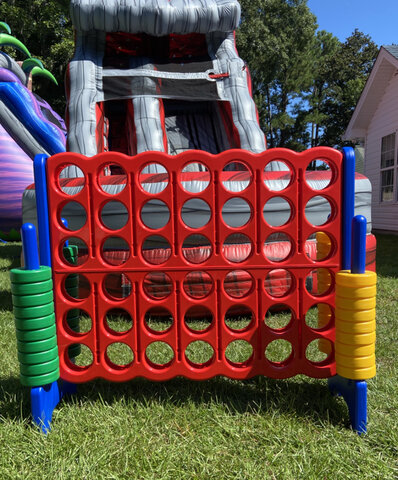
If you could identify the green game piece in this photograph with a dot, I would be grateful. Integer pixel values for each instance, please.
(71, 250)
(32, 300)
(40, 357)
(40, 368)
(34, 312)
(39, 380)
(19, 275)
(31, 288)
(38, 346)
(36, 335)
(35, 323)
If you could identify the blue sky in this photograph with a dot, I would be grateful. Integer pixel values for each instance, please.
(378, 18)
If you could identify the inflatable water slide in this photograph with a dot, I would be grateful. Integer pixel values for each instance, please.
(28, 126)
(165, 76)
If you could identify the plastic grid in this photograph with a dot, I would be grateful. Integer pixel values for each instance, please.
(92, 197)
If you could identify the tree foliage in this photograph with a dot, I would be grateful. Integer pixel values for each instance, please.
(306, 83)
(276, 38)
(44, 27)
(347, 71)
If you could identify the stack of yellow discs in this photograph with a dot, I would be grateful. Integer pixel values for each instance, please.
(356, 325)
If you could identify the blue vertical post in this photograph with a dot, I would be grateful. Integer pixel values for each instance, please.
(43, 399)
(29, 247)
(358, 257)
(348, 202)
(353, 258)
(39, 166)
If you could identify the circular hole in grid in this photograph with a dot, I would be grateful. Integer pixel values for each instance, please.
(112, 186)
(278, 282)
(120, 354)
(238, 317)
(239, 352)
(236, 176)
(238, 283)
(117, 286)
(195, 213)
(318, 174)
(279, 352)
(74, 251)
(80, 355)
(237, 247)
(277, 211)
(114, 215)
(155, 214)
(157, 285)
(78, 321)
(277, 247)
(77, 286)
(198, 318)
(318, 246)
(158, 319)
(154, 178)
(73, 216)
(318, 281)
(279, 316)
(118, 320)
(195, 177)
(156, 249)
(277, 175)
(319, 316)
(65, 177)
(198, 284)
(197, 248)
(236, 212)
(115, 251)
(318, 210)
(160, 354)
(318, 350)
(199, 353)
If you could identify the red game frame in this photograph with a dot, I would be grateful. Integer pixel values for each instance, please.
(95, 268)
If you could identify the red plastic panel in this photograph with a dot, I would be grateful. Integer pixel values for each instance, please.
(219, 262)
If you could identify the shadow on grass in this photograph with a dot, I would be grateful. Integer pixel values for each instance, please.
(387, 255)
(6, 300)
(298, 396)
(14, 399)
(11, 253)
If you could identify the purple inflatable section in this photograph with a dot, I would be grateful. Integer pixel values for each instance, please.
(30, 125)
(16, 173)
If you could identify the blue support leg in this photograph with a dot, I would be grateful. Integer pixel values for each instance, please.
(354, 393)
(45, 399)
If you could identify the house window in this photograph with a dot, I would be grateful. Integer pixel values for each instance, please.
(387, 168)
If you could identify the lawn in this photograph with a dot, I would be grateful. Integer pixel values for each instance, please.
(217, 429)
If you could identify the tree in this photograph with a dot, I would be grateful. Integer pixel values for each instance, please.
(45, 28)
(324, 51)
(276, 38)
(347, 71)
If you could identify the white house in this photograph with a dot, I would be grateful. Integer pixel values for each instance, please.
(374, 124)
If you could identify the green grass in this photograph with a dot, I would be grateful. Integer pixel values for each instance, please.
(217, 429)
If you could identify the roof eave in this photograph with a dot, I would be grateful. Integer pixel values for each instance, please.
(385, 66)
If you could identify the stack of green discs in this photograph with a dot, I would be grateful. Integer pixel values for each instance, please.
(72, 287)
(32, 298)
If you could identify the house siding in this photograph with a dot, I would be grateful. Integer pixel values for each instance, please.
(384, 122)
